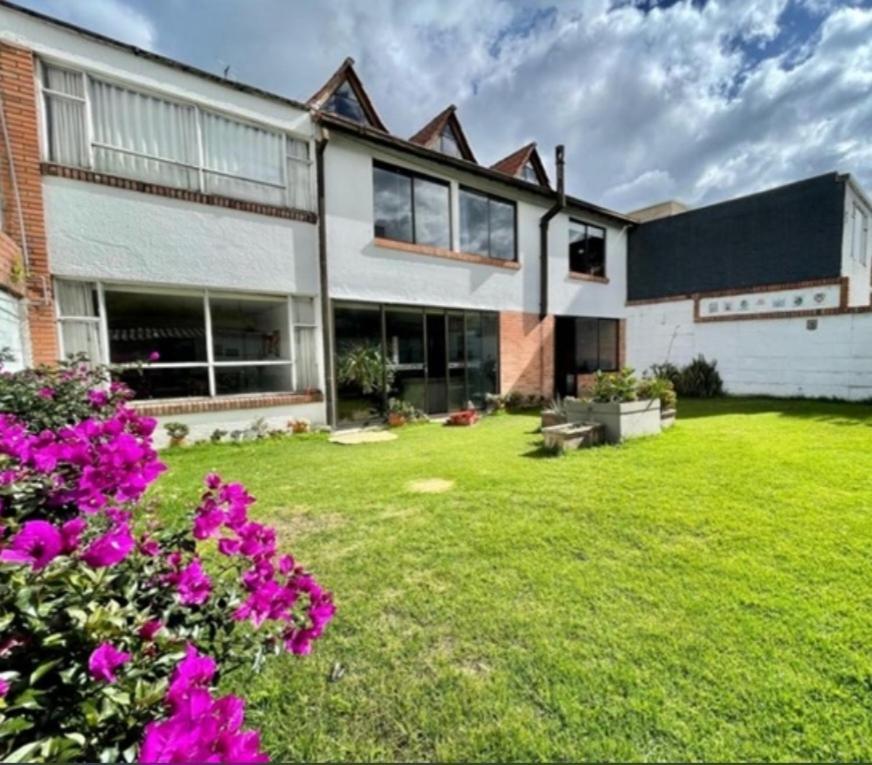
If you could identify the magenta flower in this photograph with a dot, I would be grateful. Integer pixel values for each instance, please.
(38, 543)
(149, 547)
(154, 356)
(4, 688)
(228, 546)
(104, 660)
(70, 533)
(193, 584)
(150, 628)
(46, 393)
(98, 398)
(111, 548)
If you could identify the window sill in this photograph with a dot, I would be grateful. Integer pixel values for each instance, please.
(439, 252)
(575, 276)
(186, 195)
(166, 407)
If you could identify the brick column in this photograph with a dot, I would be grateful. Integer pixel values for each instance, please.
(19, 94)
(526, 353)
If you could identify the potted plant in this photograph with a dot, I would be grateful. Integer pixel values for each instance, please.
(615, 404)
(554, 413)
(401, 412)
(300, 425)
(463, 418)
(663, 389)
(177, 431)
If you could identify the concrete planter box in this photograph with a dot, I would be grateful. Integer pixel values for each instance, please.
(576, 410)
(573, 435)
(667, 418)
(551, 418)
(630, 419)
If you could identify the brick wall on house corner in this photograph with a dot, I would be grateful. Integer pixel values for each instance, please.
(18, 93)
(526, 353)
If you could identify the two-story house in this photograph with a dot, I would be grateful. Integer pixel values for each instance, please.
(155, 210)
(463, 276)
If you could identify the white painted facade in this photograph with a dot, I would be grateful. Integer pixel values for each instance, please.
(857, 244)
(109, 236)
(358, 269)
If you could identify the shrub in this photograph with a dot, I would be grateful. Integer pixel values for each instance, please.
(217, 435)
(177, 431)
(614, 387)
(666, 371)
(407, 410)
(364, 366)
(114, 628)
(658, 387)
(700, 379)
(300, 425)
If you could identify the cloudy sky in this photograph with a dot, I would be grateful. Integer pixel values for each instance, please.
(697, 101)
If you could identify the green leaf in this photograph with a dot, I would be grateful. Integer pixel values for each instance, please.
(42, 670)
(23, 752)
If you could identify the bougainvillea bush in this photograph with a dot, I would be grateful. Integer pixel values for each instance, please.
(114, 630)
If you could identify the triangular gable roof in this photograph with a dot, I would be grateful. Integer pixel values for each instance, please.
(345, 73)
(429, 134)
(514, 164)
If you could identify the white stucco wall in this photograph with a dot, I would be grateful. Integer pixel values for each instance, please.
(359, 270)
(857, 263)
(778, 357)
(101, 232)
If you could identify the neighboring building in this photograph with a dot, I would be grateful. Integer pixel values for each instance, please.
(775, 286)
(165, 210)
(437, 262)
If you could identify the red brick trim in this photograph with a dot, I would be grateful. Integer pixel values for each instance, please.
(128, 184)
(224, 403)
(11, 267)
(439, 252)
(574, 275)
(746, 290)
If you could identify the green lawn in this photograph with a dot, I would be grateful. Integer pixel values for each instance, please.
(706, 594)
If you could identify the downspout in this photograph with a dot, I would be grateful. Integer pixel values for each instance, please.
(326, 308)
(558, 206)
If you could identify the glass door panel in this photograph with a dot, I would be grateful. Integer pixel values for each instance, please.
(457, 396)
(358, 339)
(437, 364)
(405, 352)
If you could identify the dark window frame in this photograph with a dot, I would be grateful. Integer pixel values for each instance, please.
(586, 226)
(411, 175)
(599, 353)
(495, 198)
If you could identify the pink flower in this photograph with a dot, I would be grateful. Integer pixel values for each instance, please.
(104, 660)
(4, 688)
(46, 393)
(111, 548)
(70, 533)
(148, 630)
(154, 356)
(194, 672)
(193, 584)
(212, 481)
(38, 543)
(149, 547)
(228, 546)
(98, 398)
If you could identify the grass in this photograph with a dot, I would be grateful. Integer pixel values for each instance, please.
(701, 595)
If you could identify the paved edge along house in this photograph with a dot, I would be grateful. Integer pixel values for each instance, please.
(150, 206)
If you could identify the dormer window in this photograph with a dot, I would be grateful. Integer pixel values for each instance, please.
(448, 142)
(529, 174)
(345, 103)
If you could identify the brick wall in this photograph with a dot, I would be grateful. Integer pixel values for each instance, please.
(11, 276)
(526, 353)
(18, 91)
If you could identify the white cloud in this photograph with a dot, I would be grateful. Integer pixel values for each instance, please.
(681, 101)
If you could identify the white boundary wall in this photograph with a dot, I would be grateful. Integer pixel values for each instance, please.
(777, 357)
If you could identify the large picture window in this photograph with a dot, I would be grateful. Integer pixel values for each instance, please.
(411, 207)
(119, 130)
(208, 343)
(487, 225)
(596, 345)
(587, 249)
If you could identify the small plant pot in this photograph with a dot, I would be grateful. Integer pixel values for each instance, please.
(463, 419)
(177, 441)
(396, 420)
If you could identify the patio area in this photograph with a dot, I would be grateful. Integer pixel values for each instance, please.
(704, 594)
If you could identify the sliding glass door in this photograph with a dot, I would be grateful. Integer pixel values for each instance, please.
(436, 359)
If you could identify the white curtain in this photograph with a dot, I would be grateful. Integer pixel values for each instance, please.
(307, 361)
(65, 117)
(82, 333)
(299, 175)
(75, 299)
(240, 160)
(139, 124)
